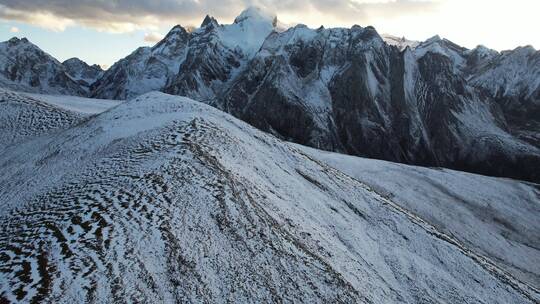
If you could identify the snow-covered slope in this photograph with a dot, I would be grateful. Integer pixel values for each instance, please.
(79, 70)
(431, 103)
(513, 79)
(23, 117)
(164, 199)
(25, 67)
(496, 217)
(345, 90)
(192, 64)
(144, 70)
(81, 105)
(400, 42)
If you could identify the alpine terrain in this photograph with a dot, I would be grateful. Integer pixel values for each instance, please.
(257, 163)
(348, 90)
(165, 199)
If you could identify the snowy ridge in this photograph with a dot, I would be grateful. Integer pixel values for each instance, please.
(462, 205)
(23, 117)
(24, 66)
(166, 65)
(173, 200)
(400, 42)
(248, 31)
(80, 71)
(512, 73)
(443, 47)
(81, 105)
(349, 90)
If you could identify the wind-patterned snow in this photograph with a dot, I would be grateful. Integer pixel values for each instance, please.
(178, 201)
(77, 104)
(485, 212)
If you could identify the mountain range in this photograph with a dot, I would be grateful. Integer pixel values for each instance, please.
(348, 90)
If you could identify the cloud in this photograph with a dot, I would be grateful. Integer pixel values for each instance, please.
(129, 15)
(43, 19)
(14, 29)
(153, 37)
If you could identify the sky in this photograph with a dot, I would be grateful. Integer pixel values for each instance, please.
(104, 31)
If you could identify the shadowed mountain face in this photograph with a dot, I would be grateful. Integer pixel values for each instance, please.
(83, 73)
(431, 103)
(348, 91)
(24, 66)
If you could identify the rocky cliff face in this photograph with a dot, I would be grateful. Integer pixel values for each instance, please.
(198, 64)
(84, 73)
(431, 103)
(216, 54)
(25, 67)
(146, 69)
(512, 79)
(346, 90)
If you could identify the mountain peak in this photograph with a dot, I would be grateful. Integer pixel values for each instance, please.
(174, 42)
(16, 40)
(177, 33)
(435, 38)
(73, 60)
(257, 14)
(176, 28)
(209, 20)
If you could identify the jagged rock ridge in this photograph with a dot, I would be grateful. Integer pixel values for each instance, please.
(431, 103)
(25, 67)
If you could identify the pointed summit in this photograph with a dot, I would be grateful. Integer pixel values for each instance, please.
(256, 14)
(248, 31)
(173, 43)
(433, 39)
(177, 29)
(177, 35)
(209, 20)
(16, 40)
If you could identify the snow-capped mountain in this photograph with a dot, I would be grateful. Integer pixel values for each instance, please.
(25, 67)
(195, 64)
(513, 79)
(79, 70)
(144, 70)
(431, 103)
(217, 53)
(400, 42)
(164, 199)
(346, 90)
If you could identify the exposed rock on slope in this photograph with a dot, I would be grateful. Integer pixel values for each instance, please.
(172, 200)
(431, 103)
(217, 53)
(513, 80)
(346, 90)
(145, 70)
(25, 67)
(22, 117)
(82, 72)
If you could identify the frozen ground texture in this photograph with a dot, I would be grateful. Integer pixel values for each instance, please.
(164, 199)
(77, 104)
(494, 216)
